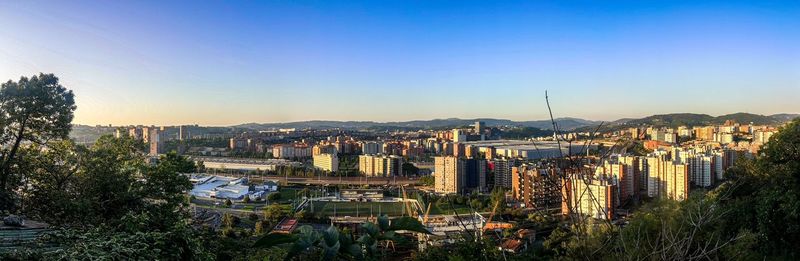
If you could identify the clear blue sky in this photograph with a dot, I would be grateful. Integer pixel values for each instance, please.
(220, 63)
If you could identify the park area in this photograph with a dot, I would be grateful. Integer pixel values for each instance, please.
(356, 209)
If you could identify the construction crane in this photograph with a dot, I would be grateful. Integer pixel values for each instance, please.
(494, 209)
(405, 202)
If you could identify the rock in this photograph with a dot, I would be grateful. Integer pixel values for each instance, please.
(14, 221)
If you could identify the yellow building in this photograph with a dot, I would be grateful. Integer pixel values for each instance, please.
(325, 161)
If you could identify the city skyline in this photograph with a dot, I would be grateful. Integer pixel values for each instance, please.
(226, 64)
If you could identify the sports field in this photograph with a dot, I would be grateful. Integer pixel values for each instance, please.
(353, 209)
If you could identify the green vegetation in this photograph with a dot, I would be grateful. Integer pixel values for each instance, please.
(692, 119)
(348, 166)
(361, 209)
(32, 110)
(520, 133)
(333, 244)
(409, 169)
(427, 180)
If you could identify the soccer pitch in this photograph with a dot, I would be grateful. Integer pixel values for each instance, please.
(356, 209)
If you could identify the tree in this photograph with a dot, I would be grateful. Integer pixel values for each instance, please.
(764, 195)
(229, 220)
(333, 244)
(261, 227)
(50, 174)
(35, 110)
(476, 204)
(274, 213)
(427, 180)
(499, 198)
(409, 169)
(274, 196)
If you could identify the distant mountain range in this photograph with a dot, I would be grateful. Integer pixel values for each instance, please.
(673, 120)
(564, 123)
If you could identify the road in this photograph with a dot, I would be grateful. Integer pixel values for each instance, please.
(375, 181)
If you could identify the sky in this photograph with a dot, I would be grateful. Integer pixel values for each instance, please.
(231, 62)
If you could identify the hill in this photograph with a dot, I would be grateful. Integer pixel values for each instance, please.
(673, 120)
(785, 117)
(694, 119)
(564, 124)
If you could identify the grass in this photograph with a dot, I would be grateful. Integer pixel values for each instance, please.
(446, 210)
(353, 209)
(288, 193)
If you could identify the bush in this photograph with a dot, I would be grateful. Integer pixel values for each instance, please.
(274, 196)
(252, 216)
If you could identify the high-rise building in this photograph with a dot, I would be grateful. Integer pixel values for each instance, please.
(476, 172)
(635, 133)
(183, 133)
(762, 136)
(667, 178)
(724, 137)
(459, 150)
(327, 162)
(631, 181)
(323, 149)
(502, 169)
(537, 188)
(372, 147)
(623, 171)
(701, 170)
(704, 133)
(135, 133)
(146, 134)
(156, 142)
(458, 175)
(479, 127)
(684, 131)
(459, 136)
(380, 165)
(595, 198)
(449, 175)
(288, 151)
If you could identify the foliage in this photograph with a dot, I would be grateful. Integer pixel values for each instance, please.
(103, 243)
(427, 180)
(274, 213)
(32, 110)
(229, 220)
(764, 195)
(274, 197)
(464, 250)
(525, 133)
(106, 195)
(409, 169)
(332, 243)
(498, 197)
(261, 227)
